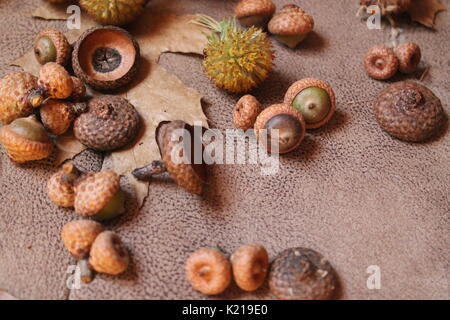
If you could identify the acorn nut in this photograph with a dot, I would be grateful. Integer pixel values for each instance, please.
(409, 56)
(254, 12)
(250, 264)
(58, 115)
(409, 111)
(184, 168)
(108, 254)
(60, 186)
(55, 81)
(51, 45)
(106, 58)
(110, 123)
(381, 63)
(25, 139)
(246, 111)
(208, 271)
(314, 99)
(78, 236)
(302, 274)
(291, 25)
(280, 128)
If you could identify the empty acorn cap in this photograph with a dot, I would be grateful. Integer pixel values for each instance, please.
(254, 12)
(106, 58)
(291, 25)
(409, 111)
(108, 254)
(323, 98)
(78, 236)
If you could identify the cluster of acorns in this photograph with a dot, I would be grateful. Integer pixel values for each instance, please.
(308, 104)
(295, 274)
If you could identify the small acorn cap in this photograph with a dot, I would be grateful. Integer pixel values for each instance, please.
(302, 274)
(246, 111)
(409, 111)
(250, 265)
(291, 25)
(51, 45)
(254, 12)
(289, 123)
(409, 55)
(79, 90)
(208, 271)
(55, 81)
(60, 186)
(78, 236)
(108, 254)
(25, 139)
(330, 101)
(106, 58)
(94, 191)
(380, 62)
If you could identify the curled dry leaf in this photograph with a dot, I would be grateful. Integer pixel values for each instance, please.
(424, 11)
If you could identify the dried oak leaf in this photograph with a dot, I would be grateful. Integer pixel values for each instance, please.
(424, 11)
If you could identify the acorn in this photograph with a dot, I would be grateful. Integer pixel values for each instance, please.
(113, 12)
(246, 111)
(51, 45)
(208, 271)
(106, 58)
(79, 90)
(291, 25)
(380, 62)
(409, 56)
(184, 170)
(108, 254)
(314, 99)
(254, 12)
(98, 196)
(110, 123)
(302, 274)
(25, 139)
(58, 115)
(409, 111)
(60, 186)
(78, 236)
(55, 81)
(280, 128)
(18, 96)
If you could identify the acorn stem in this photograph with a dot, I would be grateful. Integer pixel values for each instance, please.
(147, 172)
(70, 173)
(36, 97)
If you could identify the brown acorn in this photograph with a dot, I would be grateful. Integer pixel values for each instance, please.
(78, 236)
(25, 139)
(110, 123)
(246, 111)
(409, 111)
(302, 274)
(254, 12)
(55, 81)
(108, 254)
(280, 126)
(60, 186)
(58, 115)
(409, 56)
(183, 168)
(106, 58)
(380, 62)
(250, 265)
(79, 90)
(291, 25)
(314, 99)
(51, 45)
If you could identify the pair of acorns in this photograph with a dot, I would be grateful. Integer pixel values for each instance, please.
(308, 104)
(290, 25)
(295, 274)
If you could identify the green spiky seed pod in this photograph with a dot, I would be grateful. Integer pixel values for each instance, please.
(113, 12)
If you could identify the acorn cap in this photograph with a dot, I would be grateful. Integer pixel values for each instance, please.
(60, 186)
(380, 62)
(52, 40)
(302, 274)
(57, 116)
(106, 58)
(55, 80)
(409, 55)
(290, 21)
(246, 111)
(254, 12)
(108, 254)
(94, 191)
(79, 90)
(409, 111)
(284, 110)
(78, 236)
(300, 85)
(110, 123)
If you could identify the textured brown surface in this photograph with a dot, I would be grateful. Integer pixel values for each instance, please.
(351, 192)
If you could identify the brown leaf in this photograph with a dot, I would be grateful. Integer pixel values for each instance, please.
(424, 11)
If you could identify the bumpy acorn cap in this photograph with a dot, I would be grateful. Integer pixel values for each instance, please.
(108, 254)
(58, 40)
(302, 274)
(291, 21)
(409, 55)
(78, 236)
(60, 186)
(246, 111)
(25, 140)
(110, 123)
(273, 111)
(248, 8)
(57, 116)
(94, 191)
(380, 62)
(188, 174)
(113, 12)
(409, 111)
(106, 58)
(300, 85)
(55, 80)
(79, 90)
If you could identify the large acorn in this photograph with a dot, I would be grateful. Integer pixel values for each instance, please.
(51, 45)
(113, 12)
(106, 58)
(409, 111)
(110, 123)
(178, 145)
